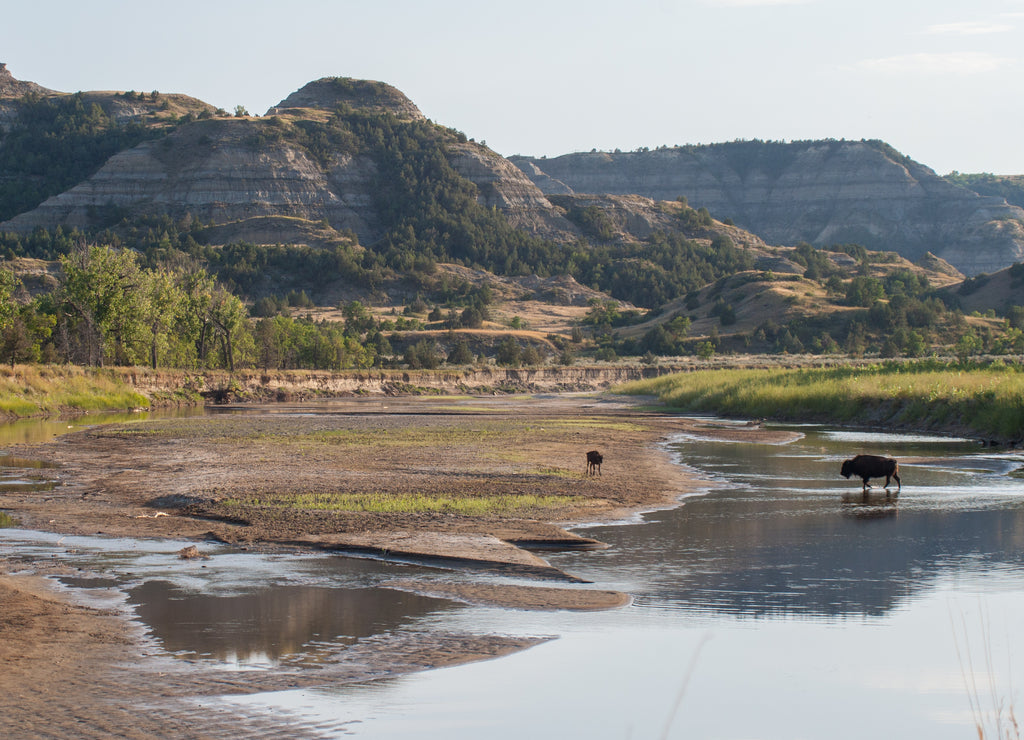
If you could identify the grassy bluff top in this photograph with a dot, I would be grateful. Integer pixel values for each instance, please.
(330, 93)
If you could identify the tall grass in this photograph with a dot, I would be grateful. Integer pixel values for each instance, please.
(986, 400)
(993, 713)
(30, 390)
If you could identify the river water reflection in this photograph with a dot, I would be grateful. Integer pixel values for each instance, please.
(780, 603)
(782, 535)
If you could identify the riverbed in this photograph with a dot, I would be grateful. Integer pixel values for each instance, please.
(777, 601)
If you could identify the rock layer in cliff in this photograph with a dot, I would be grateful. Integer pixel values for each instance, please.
(822, 192)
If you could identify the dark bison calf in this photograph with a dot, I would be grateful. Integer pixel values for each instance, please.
(872, 466)
(594, 461)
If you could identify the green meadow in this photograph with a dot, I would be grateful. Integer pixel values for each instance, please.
(984, 400)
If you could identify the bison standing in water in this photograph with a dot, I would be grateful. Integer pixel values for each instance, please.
(872, 466)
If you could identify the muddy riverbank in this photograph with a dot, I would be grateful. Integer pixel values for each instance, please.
(477, 483)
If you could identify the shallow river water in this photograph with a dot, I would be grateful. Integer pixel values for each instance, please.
(777, 603)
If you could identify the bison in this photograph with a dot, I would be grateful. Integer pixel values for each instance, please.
(594, 460)
(872, 466)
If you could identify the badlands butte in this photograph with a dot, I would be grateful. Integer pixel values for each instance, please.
(257, 178)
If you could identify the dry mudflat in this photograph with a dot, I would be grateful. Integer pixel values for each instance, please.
(469, 483)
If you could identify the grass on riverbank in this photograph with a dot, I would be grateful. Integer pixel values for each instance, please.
(986, 400)
(33, 390)
(413, 503)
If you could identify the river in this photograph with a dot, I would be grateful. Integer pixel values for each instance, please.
(779, 602)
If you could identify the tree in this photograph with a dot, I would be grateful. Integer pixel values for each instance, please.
(104, 296)
(460, 354)
(531, 356)
(8, 308)
(602, 312)
(967, 345)
(864, 291)
(724, 311)
(227, 317)
(509, 353)
(423, 354)
(271, 343)
(195, 320)
(471, 318)
(164, 305)
(22, 328)
(358, 319)
(658, 341)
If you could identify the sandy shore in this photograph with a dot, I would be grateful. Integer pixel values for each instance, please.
(272, 480)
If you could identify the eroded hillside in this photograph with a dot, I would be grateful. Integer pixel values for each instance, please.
(822, 192)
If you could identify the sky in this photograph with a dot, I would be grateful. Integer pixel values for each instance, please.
(940, 80)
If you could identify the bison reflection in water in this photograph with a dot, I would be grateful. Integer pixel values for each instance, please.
(870, 505)
(866, 467)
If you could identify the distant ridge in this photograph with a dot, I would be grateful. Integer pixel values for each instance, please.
(300, 162)
(822, 192)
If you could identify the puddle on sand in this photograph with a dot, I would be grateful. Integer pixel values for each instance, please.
(233, 608)
(270, 625)
(10, 461)
(20, 475)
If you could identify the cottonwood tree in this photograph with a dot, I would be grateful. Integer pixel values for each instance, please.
(227, 317)
(164, 307)
(104, 297)
(197, 325)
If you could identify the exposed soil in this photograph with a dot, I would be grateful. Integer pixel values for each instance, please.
(74, 671)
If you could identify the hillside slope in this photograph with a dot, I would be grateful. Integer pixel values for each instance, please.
(294, 162)
(822, 192)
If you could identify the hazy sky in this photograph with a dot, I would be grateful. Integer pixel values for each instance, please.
(940, 80)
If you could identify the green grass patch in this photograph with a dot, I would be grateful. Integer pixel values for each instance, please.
(985, 399)
(411, 503)
(7, 521)
(11, 405)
